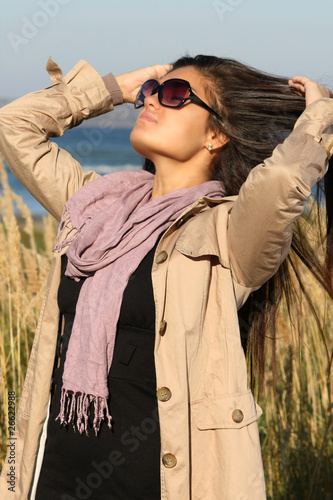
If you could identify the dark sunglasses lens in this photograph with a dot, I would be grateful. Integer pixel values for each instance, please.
(147, 89)
(174, 93)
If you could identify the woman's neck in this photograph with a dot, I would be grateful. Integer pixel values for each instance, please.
(170, 177)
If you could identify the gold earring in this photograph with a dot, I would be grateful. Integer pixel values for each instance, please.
(210, 146)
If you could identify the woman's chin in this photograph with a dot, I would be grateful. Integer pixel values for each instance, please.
(139, 144)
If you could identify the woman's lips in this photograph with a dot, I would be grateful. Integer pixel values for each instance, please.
(147, 117)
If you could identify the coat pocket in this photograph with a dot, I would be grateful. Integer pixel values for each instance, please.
(230, 412)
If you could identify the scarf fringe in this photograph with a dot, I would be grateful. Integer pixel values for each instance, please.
(68, 235)
(75, 410)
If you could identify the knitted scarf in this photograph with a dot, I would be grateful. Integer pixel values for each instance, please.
(110, 224)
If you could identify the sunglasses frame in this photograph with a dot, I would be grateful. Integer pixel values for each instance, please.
(159, 90)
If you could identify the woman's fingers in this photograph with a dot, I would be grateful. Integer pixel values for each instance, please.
(294, 84)
(309, 88)
(130, 83)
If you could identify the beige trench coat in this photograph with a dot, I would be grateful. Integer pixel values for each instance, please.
(205, 266)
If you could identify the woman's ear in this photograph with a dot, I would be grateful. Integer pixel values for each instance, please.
(216, 140)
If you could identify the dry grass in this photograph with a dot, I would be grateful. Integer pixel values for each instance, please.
(23, 272)
(296, 428)
(297, 425)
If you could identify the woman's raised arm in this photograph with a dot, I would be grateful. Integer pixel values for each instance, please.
(48, 172)
(51, 174)
(274, 194)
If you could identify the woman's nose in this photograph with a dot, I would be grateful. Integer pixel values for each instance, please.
(152, 100)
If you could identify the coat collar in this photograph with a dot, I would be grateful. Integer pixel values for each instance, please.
(200, 236)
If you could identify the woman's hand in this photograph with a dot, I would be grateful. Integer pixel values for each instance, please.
(130, 83)
(309, 88)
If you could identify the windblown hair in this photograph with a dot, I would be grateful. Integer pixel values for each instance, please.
(259, 110)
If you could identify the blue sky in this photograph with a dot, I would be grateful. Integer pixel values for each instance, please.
(280, 36)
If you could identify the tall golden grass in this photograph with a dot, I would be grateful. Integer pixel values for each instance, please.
(296, 428)
(297, 425)
(25, 255)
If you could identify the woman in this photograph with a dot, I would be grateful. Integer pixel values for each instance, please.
(177, 253)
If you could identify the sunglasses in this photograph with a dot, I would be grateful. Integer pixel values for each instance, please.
(172, 93)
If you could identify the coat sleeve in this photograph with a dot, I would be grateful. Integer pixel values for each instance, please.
(51, 174)
(274, 194)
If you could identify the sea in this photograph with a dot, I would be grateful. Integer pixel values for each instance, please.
(103, 150)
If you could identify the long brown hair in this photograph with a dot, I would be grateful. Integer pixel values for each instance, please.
(258, 111)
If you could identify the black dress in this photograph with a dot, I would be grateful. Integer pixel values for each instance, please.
(122, 463)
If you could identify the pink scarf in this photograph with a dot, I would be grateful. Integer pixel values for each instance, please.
(115, 226)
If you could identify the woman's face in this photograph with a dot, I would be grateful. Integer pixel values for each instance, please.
(178, 134)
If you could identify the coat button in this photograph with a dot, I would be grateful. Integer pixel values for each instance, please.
(163, 326)
(169, 460)
(163, 394)
(237, 416)
(161, 257)
(181, 222)
(184, 219)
